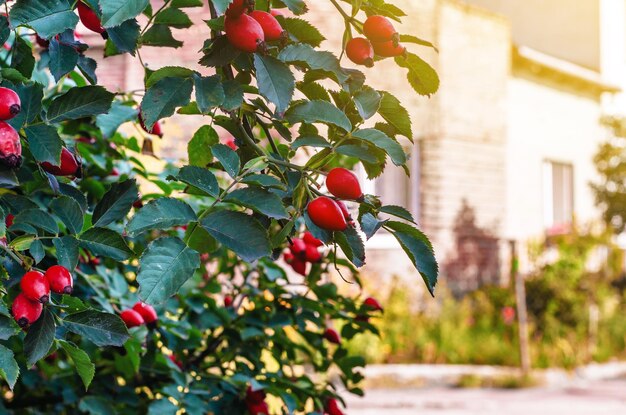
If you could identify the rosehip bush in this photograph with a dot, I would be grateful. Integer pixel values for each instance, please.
(179, 298)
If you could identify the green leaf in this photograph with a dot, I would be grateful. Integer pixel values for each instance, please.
(23, 60)
(186, 3)
(362, 152)
(37, 218)
(296, 6)
(382, 141)
(199, 148)
(233, 95)
(301, 30)
(31, 96)
(396, 115)
(275, 80)
(116, 203)
(367, 102)
(22, 243)
(209, 92)
(310, 141)
(260, 200)
(221, 5)
(422, 77)
(96, 405)
(63, 59)
(86, 370)
(164, 267)
(80, 102)
(105, 242)
(174, 17)
(220, 53)
(47, 18)
(102, 329)
(352, 245)
(199, 178)
(67, 251)
(417, 41)
(318, 111)
(419, 250)
(238, 232)
(9, 370)
(116, 12)
(314, 59)
(398, 211)
(160, 35)
(117, 115)
(39, 338)
(168, 72)
(162, 99)
(228, 158)
(70, 213)
(5, 29)
(161, 213)
(370, 225)
(8, 328)
(88, 68)
(37, 251)
(124, 37)
(45, 143)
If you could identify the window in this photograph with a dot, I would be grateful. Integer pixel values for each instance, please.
(558, 194)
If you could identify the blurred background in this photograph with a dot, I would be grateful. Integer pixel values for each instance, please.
(518, 174)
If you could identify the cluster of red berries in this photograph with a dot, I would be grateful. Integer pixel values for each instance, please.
(248, 29)
(330, 214)
(255, 402)
(380, 39)
(36, 286)
(10, 145)
(332, 407)
(140, 314)
(90, 19)
(302, 251)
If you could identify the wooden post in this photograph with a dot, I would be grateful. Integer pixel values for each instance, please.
(522, 313)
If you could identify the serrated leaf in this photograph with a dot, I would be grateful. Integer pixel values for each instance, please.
(352, 246)
(88, 68)
(228, 158)
(70, 213)
(9, 370)
(417, 41)
(382, 141)
(117, 115)
(160, 35)
(310, 141)
(80, 102)
(396, 115)
(367, 102)
(370, 225)
(259, 200)
(199, 178)
(123, 38)
(116, 12)
(168, 72)
(63, 59)
(221, 5)
(116, 203)
(275, 81)
(229, 228)
(318, 111)
(199, 148)
(22, 243)
(164, 267)
(45, 143)
(96, 405)
(398, 211)
(233, 95)
(39, 338)
(105, 242)
(209, 92)
(186, 3)
(301, 30)
(363, 152)
(102, 329)
(161, 213)
(67, 251)
(47, 18)
(8, 327)
(162, 99)
(422, 77)
(314, 59)
(23, 60)
(86, 370)
(298, 7)
(31, 96)
(174, 17)
(38, 218)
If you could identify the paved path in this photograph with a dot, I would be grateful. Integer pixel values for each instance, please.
(583, 398)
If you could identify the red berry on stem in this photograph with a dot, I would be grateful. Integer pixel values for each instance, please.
(10, 104)
(299, 266)
(245, 33)
(255, 396)
(60, 279)
(272, 30)
(312, 254)
(230, 142)
(69, 165)
(10, 146)
(239, 7)
(35, 286)
(8, 221)
(325, 213)
(379, 29)
(26, 311)
(309, 239)
(131, 318)
(147, 312)
(156, 128)
(298, 248)
(258, 408)
(332, 336)
(288, 257)
(344, 184)
(373, 304)
(89, 18)
(228, 301)
(332, 407)
(388, 49)
(360, 51)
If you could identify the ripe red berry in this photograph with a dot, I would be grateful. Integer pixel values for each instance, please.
(277, 12)
(156, 128)
(89, 18)
(10, 146)
(388, 49)
(312, 254)
(272, 30)
(373, 303)
(258, 408)
(147, 312)
(230, 142)
(131, 318)
(10, 104)
(35, 286)
(69, 165)
(309, 239)
(228, 301)
(344, 184)
(244, 33)
(298, 248)
(299, 266)
(60, 279)
(325, 213)
(254, 396)
(288, 257)
(360, 51)
(239, 7)
(26, 311)
(379, 29)
(8, 221)
(332, 336)
(332, 407)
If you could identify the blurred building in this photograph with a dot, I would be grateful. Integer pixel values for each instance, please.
(504, 150)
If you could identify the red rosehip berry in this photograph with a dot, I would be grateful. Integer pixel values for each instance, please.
(360, 51)
(278, 12)
(131, 318)
(299, 266)
(60, 279)
(10, 104)
(90, 19)
(379, 29)
(228, 301)
(147, 312)
(69, 165)
(288, 257)
(8, 221)
(156, 128)
(345, 212)
(332, 336)
(298, 248)
(388, 49)
(344, 184)
(312, 254)
(230, 142)
(239, 7)
(10, 146)
(244, 33)
(26, 311)
(255, 396)
(373, 303)
(325, 213)
(35, 286)
(260, 408)
(309, 239)
(332, 407)
(272, 30)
